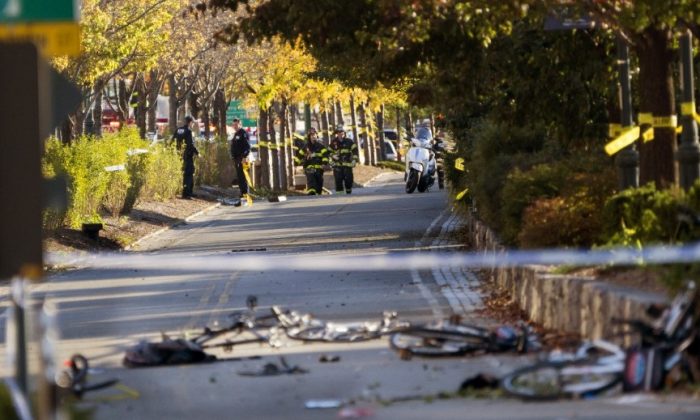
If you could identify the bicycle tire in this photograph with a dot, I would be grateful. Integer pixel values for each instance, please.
(322, 333)
(546, 381)
(443, 341)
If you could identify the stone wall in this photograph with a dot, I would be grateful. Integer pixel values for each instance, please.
(575, 304)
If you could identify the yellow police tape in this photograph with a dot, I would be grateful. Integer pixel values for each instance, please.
(628, 136)
(246, 172)
(645, 118)
(648, 134)
(459, 164)
(462, 194)
(688, 108)
(665, 122)
(614, 130)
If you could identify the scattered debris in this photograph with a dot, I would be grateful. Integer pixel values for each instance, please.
(329, 359)
(323, 404)
(355, 412)
(479, 381)
(271, 369)
(249, 250)
(277, 198)
(167, 352)
(230, 202)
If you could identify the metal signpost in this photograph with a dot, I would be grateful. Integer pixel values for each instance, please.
(50, 24)
(34, 99)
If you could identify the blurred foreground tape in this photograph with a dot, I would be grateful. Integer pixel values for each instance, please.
(52, 38)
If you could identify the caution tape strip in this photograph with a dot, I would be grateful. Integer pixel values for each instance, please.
(246, 173)
(386, 262)
(628, 136)
(461, 194)
(459, 164)
(688, 109)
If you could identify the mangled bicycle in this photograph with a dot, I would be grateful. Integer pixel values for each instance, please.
(599, 366)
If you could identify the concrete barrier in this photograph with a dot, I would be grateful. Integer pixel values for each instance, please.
(569, 303)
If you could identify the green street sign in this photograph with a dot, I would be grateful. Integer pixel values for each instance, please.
(24, 11)
(236, 110)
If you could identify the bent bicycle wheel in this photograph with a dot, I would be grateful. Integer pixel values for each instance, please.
(331, 335)
(555, 380)
(453, 340)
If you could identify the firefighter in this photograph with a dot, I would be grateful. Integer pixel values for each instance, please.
(343, 159)
(312, 156)
(183, 137)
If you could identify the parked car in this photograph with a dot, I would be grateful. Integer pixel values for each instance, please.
(390, 150)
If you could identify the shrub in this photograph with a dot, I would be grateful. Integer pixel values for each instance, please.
(137, 168)
(573, 219)
(523, 188)
(163, 175)
(91, 188)
(642, 215)
(214, 166)
(494, 149)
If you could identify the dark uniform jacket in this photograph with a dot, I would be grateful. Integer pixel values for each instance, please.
(312, 156)
(183, 135)
(343, 152)
(240, 144)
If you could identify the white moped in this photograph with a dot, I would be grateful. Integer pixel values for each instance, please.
(420, 162)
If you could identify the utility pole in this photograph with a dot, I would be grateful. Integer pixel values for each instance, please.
(627, 161)
(688, 153)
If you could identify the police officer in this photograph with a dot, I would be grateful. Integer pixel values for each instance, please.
(343, 159)
(183, 136)
(313, 156)
(240, 149)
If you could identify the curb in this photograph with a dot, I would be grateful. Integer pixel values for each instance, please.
(583, 305)
(374, 178)
(166, 228)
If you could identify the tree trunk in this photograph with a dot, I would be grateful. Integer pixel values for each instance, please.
(371, 135)
(153, 88)
(657, 158)
(172, 102)
(263, 148)
(206, 121)
(318, 121)
(380, 132)
(292, 130)
(140, 111)
(409, 123)
(274, 149)
(220, 113)
(398, 134)
(324, 126)
(339, 113)
(353, 119)
(97, 111)
(66, 130)
(193, 105)
(364, 138)
(122, 103)
(283, 156)
(331, 116)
